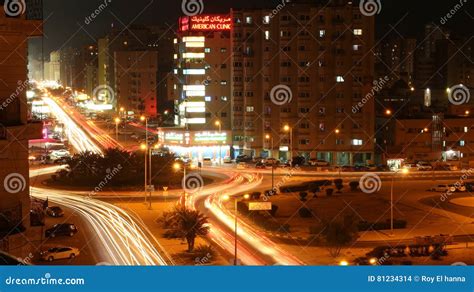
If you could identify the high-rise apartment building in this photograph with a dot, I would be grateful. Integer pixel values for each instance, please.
(15, 127)
(319, 59)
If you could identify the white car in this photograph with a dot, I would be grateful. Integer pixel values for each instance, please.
(444, 188)
(59, 253)
(424, 166)
(61, 153)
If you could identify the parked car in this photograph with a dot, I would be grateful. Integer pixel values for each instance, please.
(361, 168)
(424, 166)
(227, 159)
(260, 165)
(318, 162)
(243, 158)
(345, 168)
(207, 161)
(60, 153)
(271, 162)
(298, 161)
(409, 166)
(58, 253)
(54, 211)
(443, 188)
(65, 229)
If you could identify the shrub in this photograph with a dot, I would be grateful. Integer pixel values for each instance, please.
(365, 226)
(329, 192)
(339, 184)
(354, 186)
(305, 213)
(303, 196)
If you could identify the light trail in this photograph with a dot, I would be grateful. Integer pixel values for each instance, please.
(125, 240)
(251, 241)
(77, 137)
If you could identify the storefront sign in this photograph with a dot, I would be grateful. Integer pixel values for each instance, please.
(205, 23)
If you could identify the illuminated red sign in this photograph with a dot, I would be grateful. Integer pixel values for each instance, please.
(205, 23)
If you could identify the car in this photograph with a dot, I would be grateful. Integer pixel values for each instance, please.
(424, 166)
(345, 168)
(243, 158)
(207, 161)
(318, 162)
(298, 161)
(361, 168)
(260, 165)
(59, 253)
(65, 229)
(444, 188)
(409, 166)
(227, 159)
(54, 211)
(271, 162)
(60, 153)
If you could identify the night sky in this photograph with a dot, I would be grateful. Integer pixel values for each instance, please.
(65, 18)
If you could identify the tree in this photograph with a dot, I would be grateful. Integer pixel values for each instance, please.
(189, 224)
(339, 233)
(303, 196)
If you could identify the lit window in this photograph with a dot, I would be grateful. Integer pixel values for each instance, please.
(248, 20)
(194, 72)
(267, 35)
(224, 82)
(356, 47)
(193, 55)
(339, 79)
(322, 33)
(266, 19)
(462, 143)
(357, 142)
(358, 31)
(466, 129)
(207, 50)
(224, 98)
(208, 98)
(250, 109)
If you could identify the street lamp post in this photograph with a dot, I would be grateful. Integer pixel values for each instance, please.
(144, 147)
(289, 129)
(268, 137)
(404, 171)
(236, 200)
(117, 122)
(219, 124)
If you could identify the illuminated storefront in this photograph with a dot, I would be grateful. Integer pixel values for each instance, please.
(196, 145)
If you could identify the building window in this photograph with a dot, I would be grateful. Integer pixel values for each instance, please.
(223, 50)
(207, 50)
(266, 19)
(462, 143)
(339, 142)
(267, 35)
(223, 98)
(357, 142)
(250, 109)
(322, 33)
(339, 79)
(248, 20)
(208, 98)
(356, 47)
(357, 31)
(224, 82)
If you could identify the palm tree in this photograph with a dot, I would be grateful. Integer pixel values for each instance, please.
(189, 224)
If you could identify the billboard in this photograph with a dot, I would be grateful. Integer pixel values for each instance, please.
(205, 23)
